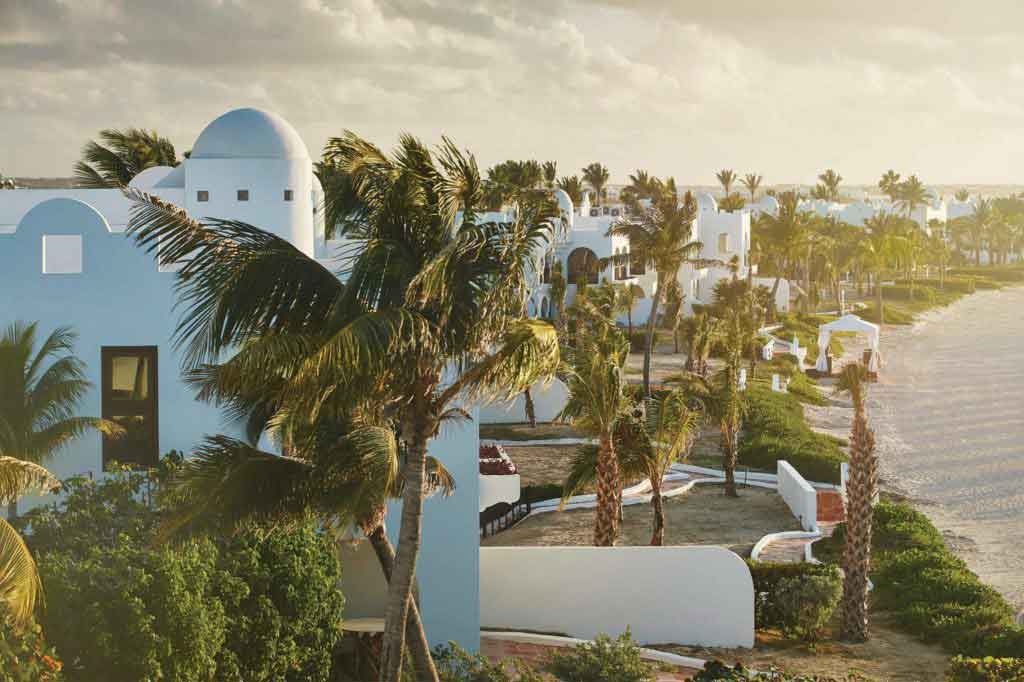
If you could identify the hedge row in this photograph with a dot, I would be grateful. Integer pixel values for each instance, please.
(986, 669)
(774, 428)
(930, 591)
(716, 671)
(770, 610)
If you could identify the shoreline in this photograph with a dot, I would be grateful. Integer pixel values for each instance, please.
(939, 445)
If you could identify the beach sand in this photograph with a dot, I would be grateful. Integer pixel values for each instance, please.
(948, 415)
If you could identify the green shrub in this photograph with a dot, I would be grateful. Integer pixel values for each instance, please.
(603, 660)
(540, 492)
(806, 603)
(774, 428)
(892, 314)
(256, 606)
(775, 610)
(25, 656)
(454, 664)
(716, 671)
(986, 669)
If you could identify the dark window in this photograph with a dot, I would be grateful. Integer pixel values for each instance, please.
(636, 265)
(243, 195)
(546, 272)
(583, 266)
(202, 195)
(129, 393)
(289, 195)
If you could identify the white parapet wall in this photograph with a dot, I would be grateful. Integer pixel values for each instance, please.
(800, 496)
(694, 595)
(548, 401)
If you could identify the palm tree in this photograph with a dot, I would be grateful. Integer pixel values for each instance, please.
(912, 193)
(962, 195)
(938, 247)
(726, 178)
(700, 332)
(626, 296)
(672, 425)
(20, 587)
(977, 226)
(550, 169)
(861, 488)
(429, 292)
(120, 156)
(597, 176)
(573, 186)
(882, 238)
(42, 389)
(890, 184)
(784, 238)
(593, 373)
(828, 187)
(662, 237)
(7, 183)
(752, 181)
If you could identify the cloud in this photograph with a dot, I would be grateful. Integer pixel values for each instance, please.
(784, 89)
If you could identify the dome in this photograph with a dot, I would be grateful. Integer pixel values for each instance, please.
(148, 178)
(564, 201)
(249, 134)
(768, 204)
(174, 179)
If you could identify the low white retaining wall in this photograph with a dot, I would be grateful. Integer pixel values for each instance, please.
(495, 489)
(548, 401)
(694, 595)
(799, 495)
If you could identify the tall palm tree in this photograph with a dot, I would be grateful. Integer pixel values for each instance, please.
(962, 195)
(883, 238)
(726, 178)
(784, 237)
(428, 292)
(977, 226)
(597, 176)
(550, 169)
(626, 296)
(828, 187)
(594, 375)
(573, 186)
(120, 155)
(890, 184)
(861, 488)
(912, 193)
(662, 236)
(673, 422)
(938, 247)
(42, 387)
(20, 587)
(752, 181)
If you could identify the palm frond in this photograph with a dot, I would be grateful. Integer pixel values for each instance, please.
(18, 477)
(20, 587)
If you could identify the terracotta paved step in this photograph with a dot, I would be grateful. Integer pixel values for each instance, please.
(830, 506)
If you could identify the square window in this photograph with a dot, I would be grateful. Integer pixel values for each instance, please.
(202, 195)
(62, 254)
(129, 398)
(289, 195)
(243, 195)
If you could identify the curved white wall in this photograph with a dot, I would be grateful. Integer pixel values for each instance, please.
(685, 595)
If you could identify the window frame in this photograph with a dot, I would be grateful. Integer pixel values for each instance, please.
(202, 196)
(111, 406)
(242, 195)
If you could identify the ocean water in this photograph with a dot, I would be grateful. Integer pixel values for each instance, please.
(948, 413)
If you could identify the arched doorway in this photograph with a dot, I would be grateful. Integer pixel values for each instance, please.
(583, 266)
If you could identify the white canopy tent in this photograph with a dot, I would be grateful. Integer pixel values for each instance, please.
(848, 323)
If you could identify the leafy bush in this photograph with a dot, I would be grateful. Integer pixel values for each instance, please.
(892, 314)
(774, 428)
(540, 492)
(716, 671)
(603, 660)
(986, 670)
(806, 603)
(929, 590)
(775, 584)
(256, 606)
(25, 656)
(454, 664)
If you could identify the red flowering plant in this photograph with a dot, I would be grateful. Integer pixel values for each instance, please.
(494, 461)
(25, 656)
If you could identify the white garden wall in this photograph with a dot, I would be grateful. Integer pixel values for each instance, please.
(799, 495)
(548, 401)
(686, 595)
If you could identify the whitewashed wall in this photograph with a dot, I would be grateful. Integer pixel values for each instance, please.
(548, 401)
(686, 595)
(799, 495)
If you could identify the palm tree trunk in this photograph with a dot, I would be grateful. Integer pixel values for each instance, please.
(415, 635)
(729, 437)
(658, 506)
(629, 321)
(409, 539)
(878, 297)
(860, 494)
(531, 415)
(649, 341)
(771, 307)
(807, 281)
(606, 526)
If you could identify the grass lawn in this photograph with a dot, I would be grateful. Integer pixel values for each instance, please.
(890, 655)
(702, 516)
(523, 431)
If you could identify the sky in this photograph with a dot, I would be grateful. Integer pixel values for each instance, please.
(676, 87)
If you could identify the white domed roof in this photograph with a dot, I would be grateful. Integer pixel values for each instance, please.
(706, 202)
(768, 204)
(148, 178)
(564, 201)
(249, 134)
